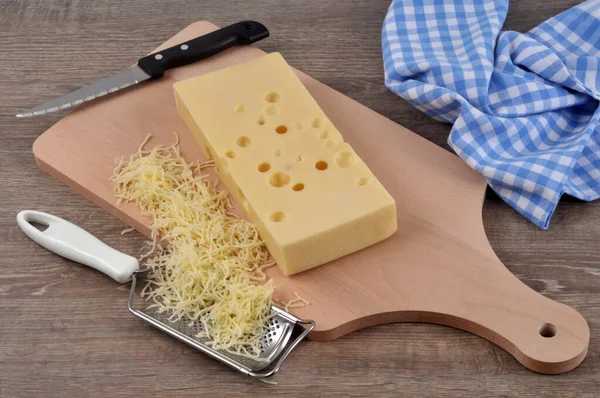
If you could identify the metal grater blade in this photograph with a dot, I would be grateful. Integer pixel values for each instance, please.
(274, 343)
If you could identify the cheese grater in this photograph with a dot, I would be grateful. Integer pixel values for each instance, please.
(74, 243)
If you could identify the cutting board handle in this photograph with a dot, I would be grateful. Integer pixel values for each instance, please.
(542, 334)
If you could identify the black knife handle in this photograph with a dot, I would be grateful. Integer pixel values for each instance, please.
(245, 32)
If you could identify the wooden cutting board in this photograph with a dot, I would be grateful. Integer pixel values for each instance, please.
(438, 267)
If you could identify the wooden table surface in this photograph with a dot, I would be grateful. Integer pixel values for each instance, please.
(65, 330)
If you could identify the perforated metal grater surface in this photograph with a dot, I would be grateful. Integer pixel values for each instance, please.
(274, 344)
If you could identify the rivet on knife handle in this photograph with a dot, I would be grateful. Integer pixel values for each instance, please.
(245, 32)
(154, 65)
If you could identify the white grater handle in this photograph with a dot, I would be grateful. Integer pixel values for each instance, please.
(74, 243)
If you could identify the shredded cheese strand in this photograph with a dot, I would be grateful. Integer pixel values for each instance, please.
(127, 230)
(298, 302)
(209, 270)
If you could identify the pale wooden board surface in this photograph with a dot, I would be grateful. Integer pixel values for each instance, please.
(114, 354)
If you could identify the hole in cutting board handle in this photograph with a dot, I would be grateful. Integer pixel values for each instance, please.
(547, 330)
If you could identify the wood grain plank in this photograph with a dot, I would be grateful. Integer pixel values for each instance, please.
(56, 46)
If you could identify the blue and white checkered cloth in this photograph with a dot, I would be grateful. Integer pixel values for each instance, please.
(525, 106)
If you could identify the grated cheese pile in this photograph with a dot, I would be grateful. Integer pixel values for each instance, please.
(209, 270)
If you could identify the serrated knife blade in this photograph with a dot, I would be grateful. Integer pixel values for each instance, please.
(153, 66)
(108, 85)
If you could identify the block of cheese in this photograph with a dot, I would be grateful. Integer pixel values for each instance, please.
(311, 197)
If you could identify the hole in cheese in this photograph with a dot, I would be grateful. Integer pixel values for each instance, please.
(299, 158)
(316, 122)
(271, 110)
(281, 129)
(344, 159)
(239, 108)
(363, 181)
(261, 121)
(321, 165)
(323, 134)
(243, 141)
(272, 97)
(298, 187)
(264, 167)
(278, 179)
(277, 216)
(230, 154)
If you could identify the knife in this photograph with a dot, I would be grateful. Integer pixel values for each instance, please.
(153, 66)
